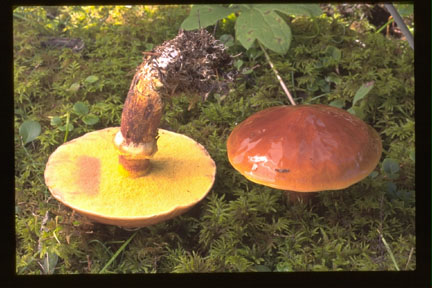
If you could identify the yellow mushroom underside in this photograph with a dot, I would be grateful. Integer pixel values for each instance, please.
(85, 175)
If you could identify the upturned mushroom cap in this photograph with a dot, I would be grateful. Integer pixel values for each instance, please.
(85, 175)
(304, 148)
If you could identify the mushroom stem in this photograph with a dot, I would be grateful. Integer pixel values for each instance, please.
(188, 63)
(136, 140)
(293, 196)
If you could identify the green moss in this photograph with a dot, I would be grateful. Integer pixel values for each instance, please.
(240, 226)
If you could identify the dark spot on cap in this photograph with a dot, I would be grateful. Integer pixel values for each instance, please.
(89, 175)
(282, 170)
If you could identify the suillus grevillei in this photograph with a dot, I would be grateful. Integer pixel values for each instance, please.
(304, 148)
(139, 174)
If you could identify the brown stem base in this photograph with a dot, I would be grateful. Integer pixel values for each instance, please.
(134, 167)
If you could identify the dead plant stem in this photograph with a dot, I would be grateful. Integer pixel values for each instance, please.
(278, 76)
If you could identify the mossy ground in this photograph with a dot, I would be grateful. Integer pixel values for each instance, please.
(240, 225)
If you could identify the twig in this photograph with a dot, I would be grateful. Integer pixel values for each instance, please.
(278, 76)
(67, 127)
(409, 258)
(388, 250)
(399, 21)
(150, 53)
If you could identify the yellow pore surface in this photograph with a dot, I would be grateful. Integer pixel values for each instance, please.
(85, 175)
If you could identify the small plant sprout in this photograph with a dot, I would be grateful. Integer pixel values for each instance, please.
(138, 174)
(81, 110)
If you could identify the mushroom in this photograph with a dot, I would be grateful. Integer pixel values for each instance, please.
(138, 174)
(304, 148)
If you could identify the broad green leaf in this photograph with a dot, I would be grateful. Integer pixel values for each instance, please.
(292, 9)
(55, 121)
(266, 26)
(363, 91)
(29, 131)
(70, 127)
(90, 119)
(74, 87)
(390, 166)
(80, 108)
(91, 79)
(202, 16)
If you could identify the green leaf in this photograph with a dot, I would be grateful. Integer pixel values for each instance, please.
(74, 87)
(227, 40)
(363, 91)
(312, 87)
(56, 121)
(29, 131)
(334, 52)
(373, 174)
(149, 46)
(253, 53)
(91, 79)
(339, 103)
(81, 108)
(404, 10)
(333, 77)
(264, 25)
(202, 16)
(50, 262)
(390, 166)
(292, 9)
(70, 127)
(391, 190)
(90, 119)
(247, 71)
(238, 64)
(357, 111)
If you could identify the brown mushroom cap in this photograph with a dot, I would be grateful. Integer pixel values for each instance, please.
(304, 148)
(85, 175)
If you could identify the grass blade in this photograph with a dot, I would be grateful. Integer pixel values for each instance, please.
(118, 252)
